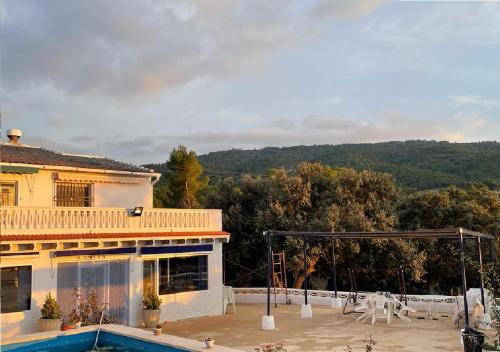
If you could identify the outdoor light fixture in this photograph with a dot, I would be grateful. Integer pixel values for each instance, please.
(137, 211)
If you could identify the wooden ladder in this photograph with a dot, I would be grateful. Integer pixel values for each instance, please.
(279, 275)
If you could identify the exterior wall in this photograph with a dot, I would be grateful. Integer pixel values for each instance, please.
(174, 306)
(186, 304)
(38, 189)
(43, 281)
(124, 195)
(40, 184)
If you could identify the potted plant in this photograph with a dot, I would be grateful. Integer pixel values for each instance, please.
(209, 342)
(270, 347)
(158, 329)
(50, 319)
(493, 340)
(151, 309)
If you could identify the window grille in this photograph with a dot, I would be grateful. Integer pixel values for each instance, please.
(70, 194)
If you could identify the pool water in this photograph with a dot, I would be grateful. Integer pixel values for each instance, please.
(84, 342)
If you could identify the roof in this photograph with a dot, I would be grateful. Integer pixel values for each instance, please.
(23, 154)
(97, 236)
(449, 233)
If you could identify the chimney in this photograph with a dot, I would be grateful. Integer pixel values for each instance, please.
(14, 135)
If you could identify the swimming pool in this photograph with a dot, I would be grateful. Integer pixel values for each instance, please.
(84, 342)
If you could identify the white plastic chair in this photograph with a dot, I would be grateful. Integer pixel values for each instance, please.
(367, 307)
(374, 307)
(400, 308)
(228, 298)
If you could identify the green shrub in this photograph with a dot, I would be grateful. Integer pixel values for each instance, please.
(50, 309)
(151, 301)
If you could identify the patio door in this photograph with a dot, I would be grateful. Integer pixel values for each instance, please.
(108, 279)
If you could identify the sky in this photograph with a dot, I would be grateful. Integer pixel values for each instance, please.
(131, 80)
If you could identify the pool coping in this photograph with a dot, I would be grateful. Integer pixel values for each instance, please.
(126, 331)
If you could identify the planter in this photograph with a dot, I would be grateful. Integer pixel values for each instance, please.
(473, 341)
(150, 318)
(157, 331)
(209, 342)
(49, 324)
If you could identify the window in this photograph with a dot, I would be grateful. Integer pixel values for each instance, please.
(149, 276)
(15, 289)
(70, 194)
(8, 194)
(176, 275)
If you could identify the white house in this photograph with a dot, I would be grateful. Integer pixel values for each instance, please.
(68, 221)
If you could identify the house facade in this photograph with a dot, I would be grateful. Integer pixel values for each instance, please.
(84, 222)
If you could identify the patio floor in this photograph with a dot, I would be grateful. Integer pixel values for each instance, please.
(328, 330)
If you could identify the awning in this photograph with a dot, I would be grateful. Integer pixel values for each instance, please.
(177, 249)
(72, 253)
(13, 169)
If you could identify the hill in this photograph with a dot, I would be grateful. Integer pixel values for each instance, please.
(414, 164)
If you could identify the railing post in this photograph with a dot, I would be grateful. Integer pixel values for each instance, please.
(464, 280)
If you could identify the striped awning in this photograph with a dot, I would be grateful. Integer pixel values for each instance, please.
(13, 169)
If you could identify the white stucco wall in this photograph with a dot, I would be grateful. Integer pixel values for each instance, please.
(32, 189)
(43, 281)
(38, 189)
(116, 195)
(174, 306)
(186, 304)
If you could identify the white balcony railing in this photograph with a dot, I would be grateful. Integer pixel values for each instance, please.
(71, 220)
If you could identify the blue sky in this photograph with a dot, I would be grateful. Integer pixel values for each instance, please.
(131, 81)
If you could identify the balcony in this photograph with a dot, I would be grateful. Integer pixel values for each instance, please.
(73, 220)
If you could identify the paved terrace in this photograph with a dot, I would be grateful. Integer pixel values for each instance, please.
(328, 330)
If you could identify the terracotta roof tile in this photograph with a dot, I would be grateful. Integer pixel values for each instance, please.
(40, 156)
(91, 236)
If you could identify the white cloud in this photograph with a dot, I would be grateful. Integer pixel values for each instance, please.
(128, 48)
(473, 100)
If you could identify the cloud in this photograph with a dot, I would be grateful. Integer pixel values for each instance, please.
(313, 130)
(473, 100)
(330, 123)
(128, 48)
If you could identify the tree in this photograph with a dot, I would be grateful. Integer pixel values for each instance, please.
(313, 197)
(475, 207)
(183, 179)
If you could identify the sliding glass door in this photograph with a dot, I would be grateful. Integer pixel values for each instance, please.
(109, 280)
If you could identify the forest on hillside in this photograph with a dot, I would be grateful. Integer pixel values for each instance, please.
(414, 164)
(317, 197)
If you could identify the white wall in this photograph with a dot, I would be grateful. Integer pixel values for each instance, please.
(116, 195)
(186, 304)
(38, 189)
(44, 280)
(174, 307)
(40, 184)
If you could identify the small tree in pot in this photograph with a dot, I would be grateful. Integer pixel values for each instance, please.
(151, 309)
(51, 315)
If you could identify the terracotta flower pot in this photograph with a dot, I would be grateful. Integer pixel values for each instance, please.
(49, 324)
(150, 317)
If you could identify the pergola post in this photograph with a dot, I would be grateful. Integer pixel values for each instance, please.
(481, 283)
(335, 302)
(493, 262)
(464, 280)
(306, 309)
(268, 319)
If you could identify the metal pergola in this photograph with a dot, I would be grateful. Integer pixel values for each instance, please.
(459, 234)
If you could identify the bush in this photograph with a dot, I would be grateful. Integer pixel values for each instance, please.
(50, 309)
(151, 301)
